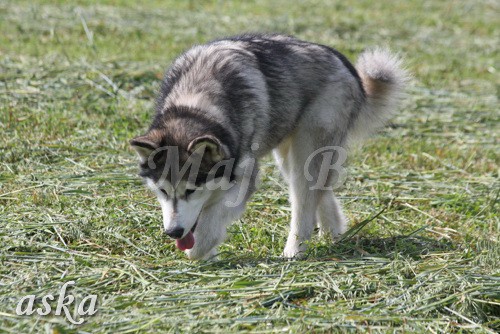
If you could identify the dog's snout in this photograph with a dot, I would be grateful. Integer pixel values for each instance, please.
(175, 232)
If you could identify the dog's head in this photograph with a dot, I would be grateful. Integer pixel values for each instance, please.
(184, 167)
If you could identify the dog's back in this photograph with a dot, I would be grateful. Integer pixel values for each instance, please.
(258, 86)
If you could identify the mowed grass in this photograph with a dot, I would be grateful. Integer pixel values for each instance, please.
(77, 81)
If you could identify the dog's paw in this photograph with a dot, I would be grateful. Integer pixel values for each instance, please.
(197, 254)
(294, 251)
(212, 255)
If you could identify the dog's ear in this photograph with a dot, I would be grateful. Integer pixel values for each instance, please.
(143, 146)
(210, 147)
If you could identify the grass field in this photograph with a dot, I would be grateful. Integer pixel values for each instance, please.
(77, 81)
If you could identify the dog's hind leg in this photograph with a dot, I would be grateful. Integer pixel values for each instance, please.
(293, 155)
(330, 218)
(302, 224)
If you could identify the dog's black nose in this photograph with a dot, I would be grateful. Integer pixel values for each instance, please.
(175, 232)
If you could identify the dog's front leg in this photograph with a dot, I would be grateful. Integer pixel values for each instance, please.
(211, 229)
(210, 232)
(226, 207)
(215, 218)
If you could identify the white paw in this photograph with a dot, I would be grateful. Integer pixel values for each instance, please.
(212, 255)
(294, 250)
(196, 254)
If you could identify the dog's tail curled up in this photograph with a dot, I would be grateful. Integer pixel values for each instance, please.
(384, 80)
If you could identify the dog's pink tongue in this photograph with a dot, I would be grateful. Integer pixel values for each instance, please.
(185, 243)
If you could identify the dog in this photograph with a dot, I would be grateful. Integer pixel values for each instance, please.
(224, 105)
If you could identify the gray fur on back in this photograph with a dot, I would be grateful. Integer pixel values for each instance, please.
(257, 87)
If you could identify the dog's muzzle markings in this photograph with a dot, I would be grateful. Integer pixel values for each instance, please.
(224, 105)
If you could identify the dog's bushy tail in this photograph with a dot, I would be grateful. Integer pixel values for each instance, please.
(384, 80)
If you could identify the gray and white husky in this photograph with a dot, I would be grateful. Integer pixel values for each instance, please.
(224, 105)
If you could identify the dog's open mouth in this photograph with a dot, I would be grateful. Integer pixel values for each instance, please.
(188, 241)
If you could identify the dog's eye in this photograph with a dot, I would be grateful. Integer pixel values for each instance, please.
(189, 191)
(164, 192)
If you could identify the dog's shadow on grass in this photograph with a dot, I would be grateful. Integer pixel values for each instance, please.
(361, 246)
(357, 247)
(351, 245)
